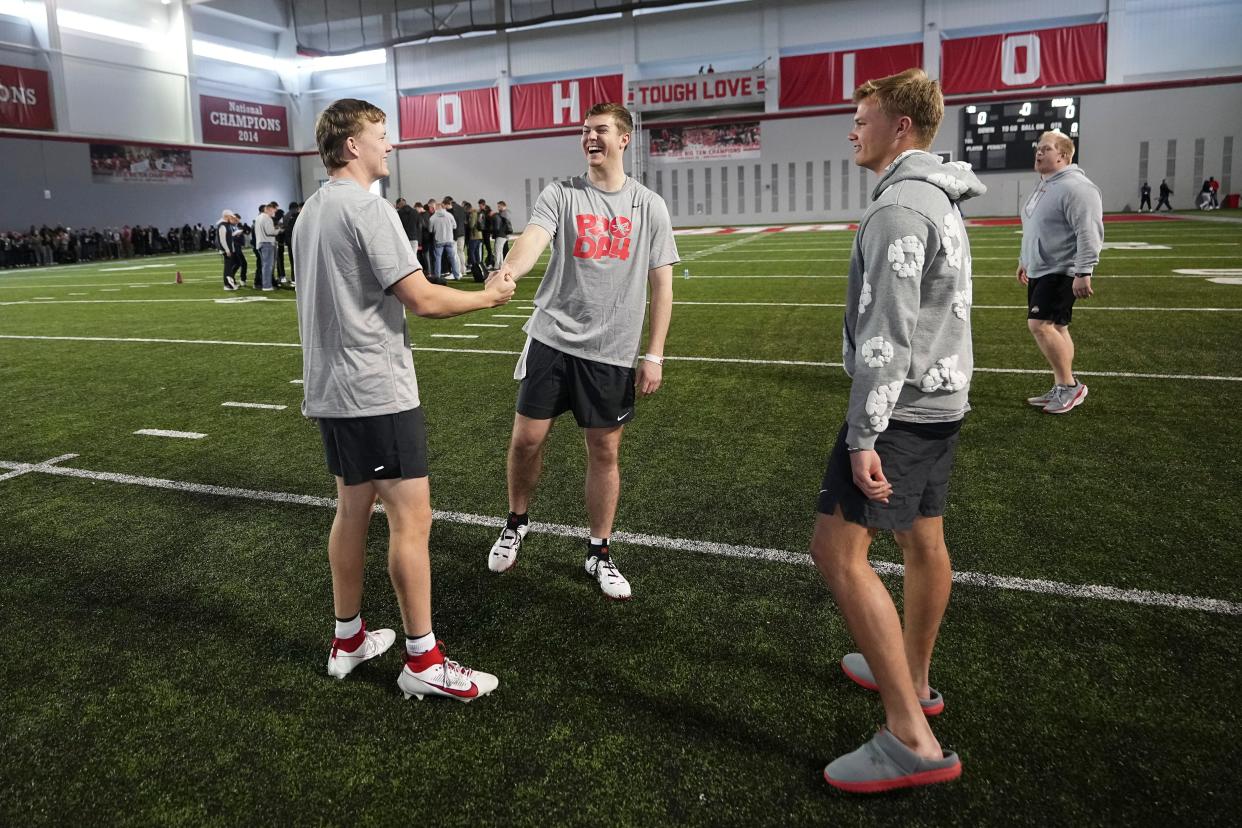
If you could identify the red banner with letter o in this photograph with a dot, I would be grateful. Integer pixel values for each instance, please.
(1047, 57)
(831, 77)
(25, 102)
(450, 114)
(561, 103)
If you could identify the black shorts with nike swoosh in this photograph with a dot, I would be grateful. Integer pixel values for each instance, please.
(383, 447)
(599, 394)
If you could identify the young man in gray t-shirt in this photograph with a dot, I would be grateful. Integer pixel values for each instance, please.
(611, 238)
(356, 276)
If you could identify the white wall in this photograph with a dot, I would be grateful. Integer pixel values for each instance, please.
(1113, 126)
(223, 179)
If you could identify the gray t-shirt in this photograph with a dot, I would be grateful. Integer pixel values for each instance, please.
(264, 229)
(593, 296)
(442, 226)
(351, 249)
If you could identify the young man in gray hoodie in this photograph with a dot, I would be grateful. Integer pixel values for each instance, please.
(907, 348)
(1062, 234)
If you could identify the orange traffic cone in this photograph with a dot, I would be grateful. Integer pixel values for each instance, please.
(178, 277)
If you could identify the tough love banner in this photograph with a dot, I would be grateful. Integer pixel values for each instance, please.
(132, 164)
(705, 143)
(1048, 57)
(243, 123)
(450, 114)
(24, 99)
(713, 90)
(831, 77)
(560, 103)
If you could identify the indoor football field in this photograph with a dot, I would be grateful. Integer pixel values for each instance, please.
(166, 597)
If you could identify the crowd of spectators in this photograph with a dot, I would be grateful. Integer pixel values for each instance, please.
(43, 246)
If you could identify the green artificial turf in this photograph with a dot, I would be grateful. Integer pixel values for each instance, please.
(164, 650)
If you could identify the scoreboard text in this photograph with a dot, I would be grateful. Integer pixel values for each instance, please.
(1003, 136)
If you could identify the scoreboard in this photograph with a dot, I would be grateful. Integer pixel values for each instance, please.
(1003, 136)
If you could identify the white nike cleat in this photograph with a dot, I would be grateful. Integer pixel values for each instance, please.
(611, 582)
(348, 653)
(504, 552)
(433, 674)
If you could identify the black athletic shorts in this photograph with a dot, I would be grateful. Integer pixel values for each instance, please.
(384, 447)
(917, 459)
(599, 394)
(1051, 298)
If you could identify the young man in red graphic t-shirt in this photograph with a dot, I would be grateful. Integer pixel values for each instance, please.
(611, 238)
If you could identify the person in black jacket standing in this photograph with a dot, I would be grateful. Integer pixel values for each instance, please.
(485, 224)
(224, 243)
(286, 226)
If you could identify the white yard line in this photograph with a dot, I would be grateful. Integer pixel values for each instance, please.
(159, 432)
(268, 406)
(1077, 308)
(717, 249)
(455, 336)
(983, 579)
(250, 300)
(722, 360)
(483, 325)
(18, 469)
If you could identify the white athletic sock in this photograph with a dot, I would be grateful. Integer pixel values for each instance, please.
(598, 541)
(350, 628)
(420, 645)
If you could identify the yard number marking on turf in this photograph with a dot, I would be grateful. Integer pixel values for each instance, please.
(983, 579)
(159, 432)
(268, 406)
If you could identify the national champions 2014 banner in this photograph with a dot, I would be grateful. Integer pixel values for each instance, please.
(243, 123)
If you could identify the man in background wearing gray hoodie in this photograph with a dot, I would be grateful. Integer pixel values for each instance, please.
(907, 349)
(1062, 234)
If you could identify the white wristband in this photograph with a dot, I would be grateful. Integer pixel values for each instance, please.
(658, 360)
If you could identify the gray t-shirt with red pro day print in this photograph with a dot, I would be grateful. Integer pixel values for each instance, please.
(593, 296)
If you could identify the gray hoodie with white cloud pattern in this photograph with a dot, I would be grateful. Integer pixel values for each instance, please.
(906, 338)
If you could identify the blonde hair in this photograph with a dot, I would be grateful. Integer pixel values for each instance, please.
(343, 120)
(620, 115)
(1061, 141)
(912, 94)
